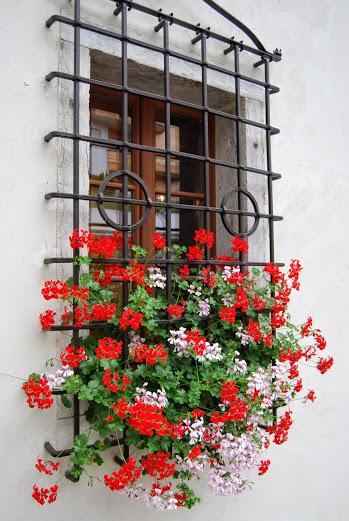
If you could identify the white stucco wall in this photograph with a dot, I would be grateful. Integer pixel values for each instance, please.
(307, 480)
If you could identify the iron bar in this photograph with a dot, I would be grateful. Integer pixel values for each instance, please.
(133, 146)
(125, 149)
(236, 22)
(165, 321)
(56, 453)
(115, 86)
(204, 94)
(238, 133)
(168, 174)
(269, 163)
(170, 18)
(212, 262)
(174, 206)
(76, 187)
(175, 101)
(174, 54)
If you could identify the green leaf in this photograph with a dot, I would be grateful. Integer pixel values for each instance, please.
(65, 401)
(180, 396)
(72, 385)
(151, 324)
(76, 471)
(132, 437)
(178, 251)
(139, 251)
(183, 284)
(34, 375)
(191, 307)
(153, 444)
(80, 261)
(88, 366)
(192, 498)
(194, 394)
(94, 285)
(102, 427)
(105, 294)
(89, 391)
(85, 279)
(80, 442)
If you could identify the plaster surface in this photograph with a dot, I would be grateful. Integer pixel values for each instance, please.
(307, 480)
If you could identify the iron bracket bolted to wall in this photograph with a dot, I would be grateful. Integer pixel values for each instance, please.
(197, 35)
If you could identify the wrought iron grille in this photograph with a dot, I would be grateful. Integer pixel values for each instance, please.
(208, 207)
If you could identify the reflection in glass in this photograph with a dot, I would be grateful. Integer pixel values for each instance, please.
(113, 210)
(106, 123)
(186, 176)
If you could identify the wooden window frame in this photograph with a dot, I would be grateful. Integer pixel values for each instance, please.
(144, 163)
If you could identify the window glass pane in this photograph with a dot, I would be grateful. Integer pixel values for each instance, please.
(113, 210)
(106, 123)
(186, 175)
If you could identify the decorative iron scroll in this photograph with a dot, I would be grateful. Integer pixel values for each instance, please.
(197, 35)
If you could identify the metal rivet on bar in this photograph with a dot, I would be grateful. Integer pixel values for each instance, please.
(233, 45)
(161, 23)
(199, 33)
(119, 7)
(262, 61)
(162, 19)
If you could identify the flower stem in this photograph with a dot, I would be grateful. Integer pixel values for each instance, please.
(17, 377)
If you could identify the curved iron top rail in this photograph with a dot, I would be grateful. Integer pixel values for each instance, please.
(259, 50)
(238, 24)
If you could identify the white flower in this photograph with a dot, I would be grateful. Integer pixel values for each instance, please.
(210, 352)
(158, 279)
(240, 366)
(245, 339)
(135, 340)
(177, 339)
(204, 307)
(67, 372)
(194, 291)
(56, 380)
(228, 271)
(227, 300)
(157, 399)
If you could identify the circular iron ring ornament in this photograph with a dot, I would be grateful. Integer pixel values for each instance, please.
(147, 202)
(255, 208)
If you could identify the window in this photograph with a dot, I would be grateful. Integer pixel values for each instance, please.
(146, 126)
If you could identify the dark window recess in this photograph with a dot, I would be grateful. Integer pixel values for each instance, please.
(168, 177)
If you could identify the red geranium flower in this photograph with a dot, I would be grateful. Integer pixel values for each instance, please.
(195, 253)
(130, 318)
(108, 348)
(204, 237)
(324, 364)
(239, 245)
(177, 310)
(47, 319)
(264, 467)
(158, 241)
(228, 314)
(184, 272)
